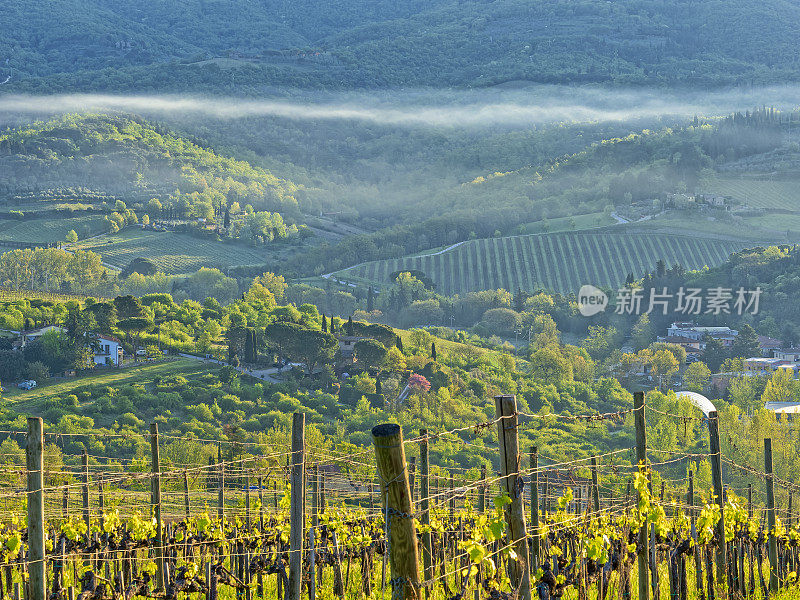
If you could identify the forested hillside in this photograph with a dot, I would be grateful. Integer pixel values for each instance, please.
(249, 44)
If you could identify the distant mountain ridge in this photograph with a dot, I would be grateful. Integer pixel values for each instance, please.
(377, 43)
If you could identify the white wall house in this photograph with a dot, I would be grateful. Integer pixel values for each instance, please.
(108, 350)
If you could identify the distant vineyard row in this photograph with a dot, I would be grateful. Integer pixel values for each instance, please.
(759, 193)
(560, 261)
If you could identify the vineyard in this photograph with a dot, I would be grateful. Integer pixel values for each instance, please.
(52, 229)
(561, 262)
(385, 522)
(173, 253)
(758, 193)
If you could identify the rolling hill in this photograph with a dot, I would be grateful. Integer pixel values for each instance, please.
(110, 44)
(97, 174)
(559, 262)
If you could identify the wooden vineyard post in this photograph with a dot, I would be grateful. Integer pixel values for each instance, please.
(772, 542)
(595, 487)
(546, 499)
(156, 468)
(34, 454)
(534, 508)
(401, 540)
(261, 504)
(186, 506)
(296, 510)
(716, 476)
(315, 496)
(506, 411)
(412, 479)
(247, 501)
(424, 501)
(322, 501)
(87, 515)
(452, 503)
(641, 460)
(101, 500)
(65, 503)
(482, 491)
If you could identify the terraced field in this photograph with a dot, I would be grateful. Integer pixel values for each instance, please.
(559, 261)
(174, 253)
(759, 193)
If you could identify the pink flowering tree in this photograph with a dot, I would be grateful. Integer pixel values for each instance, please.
(418, 383)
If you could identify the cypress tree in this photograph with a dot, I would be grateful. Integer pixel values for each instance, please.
(350, 325)
(248, 346)
(399, 343)
(370, 303)
(433, 351)
(378, 387)
(324, 324)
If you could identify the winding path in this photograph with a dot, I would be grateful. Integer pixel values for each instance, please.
(330, 275)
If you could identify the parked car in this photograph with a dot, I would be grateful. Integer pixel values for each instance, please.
(27, 385)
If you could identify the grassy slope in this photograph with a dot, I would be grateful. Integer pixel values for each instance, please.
(145, 373)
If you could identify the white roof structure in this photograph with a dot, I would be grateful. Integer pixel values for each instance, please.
(783, 407)
(698, 400)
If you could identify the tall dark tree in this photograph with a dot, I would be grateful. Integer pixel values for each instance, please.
(399, 343)
(714, 354)
(350, 325)
(227, 220)
(249, 347)
(433, 351)
(370, 299)
(519, 301)
(746, 343)
(324, 324)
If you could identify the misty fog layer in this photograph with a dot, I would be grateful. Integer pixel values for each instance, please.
(468, 108)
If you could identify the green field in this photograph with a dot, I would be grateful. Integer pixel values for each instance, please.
(758, 193)
(587, 221)
(174, 253)
(52, 229)
(144, 373)
(558, 261)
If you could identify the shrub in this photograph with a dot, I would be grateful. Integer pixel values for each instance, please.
(130, 420)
